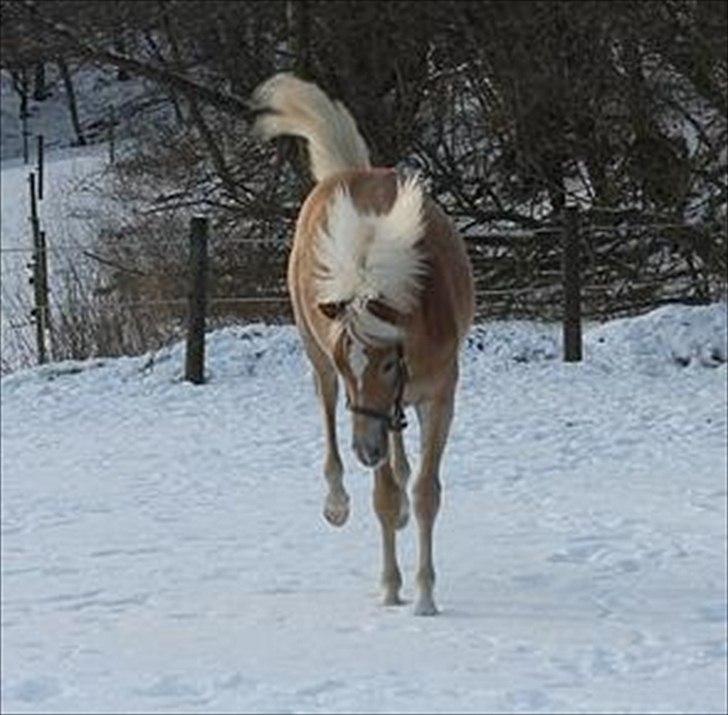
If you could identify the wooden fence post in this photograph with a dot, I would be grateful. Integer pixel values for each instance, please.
(40, 167)
(39, 279)
(195, 354)
(572, 285)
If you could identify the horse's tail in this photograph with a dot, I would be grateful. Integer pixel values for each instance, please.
(292, 106)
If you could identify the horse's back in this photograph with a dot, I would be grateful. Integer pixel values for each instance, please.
(449, 296)
(447, 303)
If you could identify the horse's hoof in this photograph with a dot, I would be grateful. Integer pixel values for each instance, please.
(336, 510)
(425, 607)
(392, 599)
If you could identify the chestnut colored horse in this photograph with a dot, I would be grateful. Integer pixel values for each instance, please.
(382, 294)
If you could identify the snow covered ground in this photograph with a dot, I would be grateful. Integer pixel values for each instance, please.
(163, 547)
(68, 214)
(134, 103)
(73, 178)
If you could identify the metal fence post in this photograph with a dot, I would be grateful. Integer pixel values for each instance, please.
(40, 167)
(43, 316)
(572, 285)
(195, 354)
(39, 279)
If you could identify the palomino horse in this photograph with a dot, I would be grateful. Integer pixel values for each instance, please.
(382, 294)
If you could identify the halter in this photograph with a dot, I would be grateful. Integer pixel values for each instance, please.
(396, 420)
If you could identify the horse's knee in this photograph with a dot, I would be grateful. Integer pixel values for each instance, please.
(398, 461)
(426, 495)
(388, 509)
(401, 471)
(386, 497)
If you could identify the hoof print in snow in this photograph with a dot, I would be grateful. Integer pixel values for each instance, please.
(35, 690)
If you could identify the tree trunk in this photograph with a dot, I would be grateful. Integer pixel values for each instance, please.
(21, 87)
(295, 149)
(40, 91)
(173, 94)
(72, 107)
(198, 119)
(119, 46)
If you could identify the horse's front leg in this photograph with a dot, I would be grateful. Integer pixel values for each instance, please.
(387, 504)
(336, 506)
(401, 472)
(435, 416)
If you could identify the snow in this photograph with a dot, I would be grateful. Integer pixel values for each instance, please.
(72, 208)
(68, 214)
(135, 103)
(163, 546)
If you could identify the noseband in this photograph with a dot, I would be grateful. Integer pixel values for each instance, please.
(396, 420)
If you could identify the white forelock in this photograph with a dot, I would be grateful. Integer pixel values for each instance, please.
(365, 256)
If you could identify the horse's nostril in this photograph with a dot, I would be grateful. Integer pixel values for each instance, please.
(370, 455)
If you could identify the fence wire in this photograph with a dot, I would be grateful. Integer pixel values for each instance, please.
(65, 247)
(622, 268)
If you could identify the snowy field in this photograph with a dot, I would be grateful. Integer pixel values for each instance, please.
(163, 547)
(73, 176)
(68, 213)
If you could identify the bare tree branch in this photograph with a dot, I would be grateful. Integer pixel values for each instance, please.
(226, 102)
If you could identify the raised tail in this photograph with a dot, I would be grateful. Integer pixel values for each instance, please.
(291, 106)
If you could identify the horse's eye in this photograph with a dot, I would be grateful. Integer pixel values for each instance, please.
(389, 366)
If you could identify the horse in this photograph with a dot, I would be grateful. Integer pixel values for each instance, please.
(382, 294)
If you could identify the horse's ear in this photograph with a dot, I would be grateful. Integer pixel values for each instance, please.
(385, 312)
(333, 310)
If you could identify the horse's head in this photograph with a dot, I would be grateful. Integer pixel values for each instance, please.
(374, 375)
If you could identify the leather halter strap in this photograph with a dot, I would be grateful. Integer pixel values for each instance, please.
(395, 420)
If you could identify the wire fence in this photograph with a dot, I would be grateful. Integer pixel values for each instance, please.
(93, 252)
(622, 267)
(490, 285)
(70, 248)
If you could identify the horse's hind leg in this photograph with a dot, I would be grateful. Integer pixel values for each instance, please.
(387, 506)
(401, 470)
(336, 506)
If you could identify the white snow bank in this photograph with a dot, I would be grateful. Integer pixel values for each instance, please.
(668, 338)
(674, 335)
(679, 334)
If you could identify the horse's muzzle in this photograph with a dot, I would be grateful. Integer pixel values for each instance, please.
(372, 448)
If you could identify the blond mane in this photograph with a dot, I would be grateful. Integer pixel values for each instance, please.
(366, 256)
